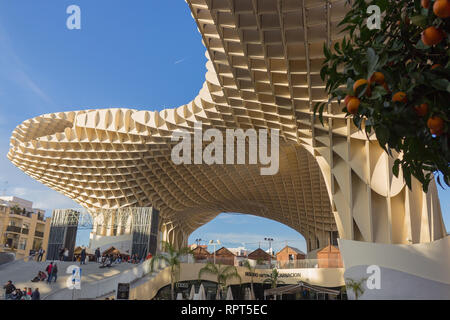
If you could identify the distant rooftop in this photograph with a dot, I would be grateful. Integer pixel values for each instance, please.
(293, 249)
(11, 201)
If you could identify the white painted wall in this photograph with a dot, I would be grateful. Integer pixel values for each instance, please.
(122, 242)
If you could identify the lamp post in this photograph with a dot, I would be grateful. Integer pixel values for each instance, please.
(212, 243)
(270, 249)
(198, 241)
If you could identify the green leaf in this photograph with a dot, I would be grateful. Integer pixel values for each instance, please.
(382, 135)
(396, 167)
(326, 51)
(420, 45)
(372, 60)
(441, 84)
(419, 20)
(383, 4)
(407, 175)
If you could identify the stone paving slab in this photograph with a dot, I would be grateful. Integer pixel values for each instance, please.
(22, 272)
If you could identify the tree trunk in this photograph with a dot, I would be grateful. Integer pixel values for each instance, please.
(172, 284)
(218, 292)
(172, 290)
(252, 294)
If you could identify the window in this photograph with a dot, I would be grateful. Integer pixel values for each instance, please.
(22, 244)
(12, 223)
(37, 244)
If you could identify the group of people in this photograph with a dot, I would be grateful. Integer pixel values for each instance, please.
(107, 260)
(12, 293)
(50, 274)
(51, 271)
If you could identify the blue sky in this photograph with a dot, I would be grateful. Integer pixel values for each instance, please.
(139, 54)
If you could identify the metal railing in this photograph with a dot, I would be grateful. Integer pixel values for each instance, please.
(309, 264)
(13, 229)
(39, 234)
(288, 264)
(21, 214)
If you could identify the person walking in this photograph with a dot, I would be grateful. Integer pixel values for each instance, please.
(40, 254)
(83, 256)
(97, 254)
(49, 272)
(66, 254)
(9, 289)
(55, 272)
(61, 254)
(36, 295)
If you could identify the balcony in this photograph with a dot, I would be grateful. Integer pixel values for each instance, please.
(25, 231)
(21, 213)
(13, 229)
(38, 234)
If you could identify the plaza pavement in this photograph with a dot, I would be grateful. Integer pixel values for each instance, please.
(21, 273)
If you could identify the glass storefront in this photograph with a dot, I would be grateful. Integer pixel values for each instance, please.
(239, 292)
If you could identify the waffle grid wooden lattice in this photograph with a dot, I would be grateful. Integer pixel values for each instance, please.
(264, 58)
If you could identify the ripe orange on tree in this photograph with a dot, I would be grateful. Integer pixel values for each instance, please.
(421, 110)
(377, 77)
(436, 125)
(358, 83)
(353, 105)
(400, 97)
(347, 99)
(362, 82)
(425, 3)
(396, 56)
(441, 8)
(432, 36)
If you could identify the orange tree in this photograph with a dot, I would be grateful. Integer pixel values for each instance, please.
(395, 82)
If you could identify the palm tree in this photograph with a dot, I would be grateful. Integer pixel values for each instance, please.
(222, 274)
(171, 257)
(246, 264)
(273, 279)
(356, 286)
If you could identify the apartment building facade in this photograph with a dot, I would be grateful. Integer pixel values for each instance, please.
(23, 229)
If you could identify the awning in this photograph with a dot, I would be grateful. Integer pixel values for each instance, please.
(77, 251)
(115, 251)
(295, 288)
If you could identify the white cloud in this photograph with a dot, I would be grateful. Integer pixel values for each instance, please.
(227, 218)
(180, 61)
(19, 192)
(44, 198)
(53, 200)
(15, 68)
